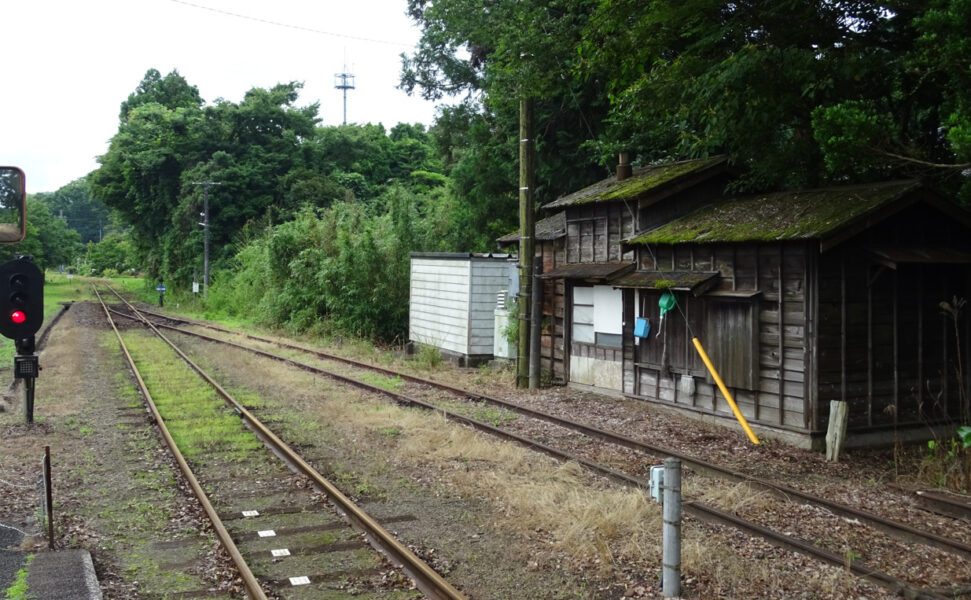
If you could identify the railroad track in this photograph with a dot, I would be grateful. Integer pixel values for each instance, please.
(902, 531)
(255, 529)
(701, 511)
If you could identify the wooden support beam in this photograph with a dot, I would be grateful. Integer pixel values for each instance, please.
(869, 354)
(836, 432)
(843, 327)
(782, 338)
(920, 345)
(896, 350)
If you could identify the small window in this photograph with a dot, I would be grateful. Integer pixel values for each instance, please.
(597, 316)
(583, 315)
(609, 340)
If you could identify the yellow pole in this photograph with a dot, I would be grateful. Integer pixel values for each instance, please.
(721, 386)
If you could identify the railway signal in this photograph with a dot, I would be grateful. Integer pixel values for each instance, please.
(21, 299)
(21, 285)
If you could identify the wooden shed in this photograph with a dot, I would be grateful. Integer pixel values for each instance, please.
(453, 301)
(799, 298)
(812, 296)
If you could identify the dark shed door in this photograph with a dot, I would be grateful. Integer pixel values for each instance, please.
(730, 340)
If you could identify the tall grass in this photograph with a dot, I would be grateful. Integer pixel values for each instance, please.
(344, 268)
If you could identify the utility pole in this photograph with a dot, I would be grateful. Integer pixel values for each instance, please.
(527, 226)
(344, 81)
(205, 238)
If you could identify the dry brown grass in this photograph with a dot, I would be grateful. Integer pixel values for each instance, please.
(532, 493)
(556, 505)
(714, 559)
(733, 498)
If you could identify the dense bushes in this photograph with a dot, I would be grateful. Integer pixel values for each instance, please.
(343, 267)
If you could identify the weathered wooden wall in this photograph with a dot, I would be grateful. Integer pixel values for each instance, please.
(553, 253)
(594, 233)
(766, 369)
(885, 345)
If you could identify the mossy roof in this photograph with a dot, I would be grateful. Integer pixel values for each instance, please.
(799, 215)
(549, 228)
(588, 271)
(642, 181)
(663, 280)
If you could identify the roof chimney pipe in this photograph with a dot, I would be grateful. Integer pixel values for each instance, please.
(624, 169)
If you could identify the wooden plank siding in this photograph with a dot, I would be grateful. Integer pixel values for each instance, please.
(768, 378)
(594, 234)
(885, 345)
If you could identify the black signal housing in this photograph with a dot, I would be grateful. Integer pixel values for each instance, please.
(21, 298)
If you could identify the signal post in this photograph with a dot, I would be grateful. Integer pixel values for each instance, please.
(21, 315)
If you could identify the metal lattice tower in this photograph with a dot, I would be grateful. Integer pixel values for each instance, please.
(344, 81)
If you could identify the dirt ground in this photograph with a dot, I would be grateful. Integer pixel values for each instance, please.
(117, 492)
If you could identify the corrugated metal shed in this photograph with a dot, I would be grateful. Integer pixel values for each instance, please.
(453, 300)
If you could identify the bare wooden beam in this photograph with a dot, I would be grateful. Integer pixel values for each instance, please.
(782, 348)
(869, 353)
(843, 326)
(920, 345)
(896, 358)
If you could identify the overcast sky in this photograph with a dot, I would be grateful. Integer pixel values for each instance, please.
(68, 65)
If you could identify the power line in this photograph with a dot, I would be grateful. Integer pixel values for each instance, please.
(296, 27)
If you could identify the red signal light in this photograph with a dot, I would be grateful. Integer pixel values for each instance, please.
(18, 316)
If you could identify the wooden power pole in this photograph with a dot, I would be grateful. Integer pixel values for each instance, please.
(527, 226)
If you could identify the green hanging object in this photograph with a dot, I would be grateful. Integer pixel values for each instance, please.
(665, 303)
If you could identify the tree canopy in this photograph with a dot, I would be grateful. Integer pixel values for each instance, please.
(82, 211)
(266, 153)
(796, 92)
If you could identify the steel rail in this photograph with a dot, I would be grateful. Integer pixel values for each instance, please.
(427, 579)
(695, 509)
(890, 527)
(253, 587)
(959, 508)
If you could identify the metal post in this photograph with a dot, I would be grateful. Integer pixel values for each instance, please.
(48, 497)
(671, 554)
(29, 400)
(344, 81)
(26, 368)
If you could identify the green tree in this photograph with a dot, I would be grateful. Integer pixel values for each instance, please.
(921, 124)
(796, 92)
(499, 55)
(114, 252)
(171, 91)
(48, 239)
(82, 211)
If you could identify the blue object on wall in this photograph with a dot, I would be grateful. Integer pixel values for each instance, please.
(642, 327)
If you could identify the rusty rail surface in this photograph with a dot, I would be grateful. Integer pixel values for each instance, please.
(700, 511)
(895, 529)
(253, 587)
(427, 579)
